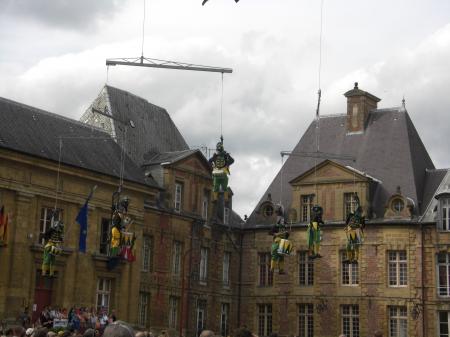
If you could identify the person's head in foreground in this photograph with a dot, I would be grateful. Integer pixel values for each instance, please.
(118, 329)
(243, 332)
(207, 333)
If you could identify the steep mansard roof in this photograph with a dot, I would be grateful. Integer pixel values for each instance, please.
(390, 149)
(154, 131)
(36, 132)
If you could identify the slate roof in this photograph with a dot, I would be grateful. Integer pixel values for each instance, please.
(437, 181)
(36, 132)
(433, 179)
(154, 131)
(389, 150)
(235, 220)
(169, 157)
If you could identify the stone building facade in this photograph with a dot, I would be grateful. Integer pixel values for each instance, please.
(185, 275)
(400, 283)
(196, 270)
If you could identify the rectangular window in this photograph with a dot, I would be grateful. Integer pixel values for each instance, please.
(350, 203)
(444, 323)
(226, 215)
(144, 304)
(264, 320)
(265, 274)
(226, 269)
(350, 272)
(350, 320)
(201, 314)
(305, 269)
(147, 253)
(103, 294)
(224, 314)
(444, 204)
(178, 196)
(444, 274)
(306, 205)
(203, 265)
(398, 321)
(398, 268)
(205, 205)
(176, 257)
(46, 221)
(173, 311)
(305, 320)
(104, 236)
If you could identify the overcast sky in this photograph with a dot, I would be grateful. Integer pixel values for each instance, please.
(52, 56)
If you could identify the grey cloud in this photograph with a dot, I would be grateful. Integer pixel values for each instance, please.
(67, 14)
(267, 106)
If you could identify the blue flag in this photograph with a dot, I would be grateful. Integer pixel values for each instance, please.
(82, 219)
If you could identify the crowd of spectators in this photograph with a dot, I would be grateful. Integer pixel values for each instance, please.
(90, 325)
(78, 318)
(62, 322)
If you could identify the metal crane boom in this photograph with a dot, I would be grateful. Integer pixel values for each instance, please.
(155, 63)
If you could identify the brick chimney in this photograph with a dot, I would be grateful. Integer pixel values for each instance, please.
(359, 103)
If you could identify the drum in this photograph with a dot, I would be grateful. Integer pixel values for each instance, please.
(284, 247)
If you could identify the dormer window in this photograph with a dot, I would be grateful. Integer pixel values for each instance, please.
(205, 204)
(443, 218)
(268, 211)
(445, 214)
(306, 205)
(178, 196)
(350, 203)
(398, 205)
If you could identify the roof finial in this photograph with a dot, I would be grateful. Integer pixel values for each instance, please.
(356, 86)
(403, 107)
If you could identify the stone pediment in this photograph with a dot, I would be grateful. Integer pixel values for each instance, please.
(195, 163)
(329, 172)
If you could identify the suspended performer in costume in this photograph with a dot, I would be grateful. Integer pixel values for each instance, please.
(120, 221)
(220, 163)
(281, 246)
(314, 233)
(354, 230)
(53, 238)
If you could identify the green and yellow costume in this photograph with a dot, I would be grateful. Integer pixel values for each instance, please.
(355, 235)
(314, 233)
(115, 241)
(220, 163)
(281, 246)
(53, 239)
(48, 261)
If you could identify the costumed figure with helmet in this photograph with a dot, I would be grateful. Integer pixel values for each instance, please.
(314, 233)
(53, 239)
(354, 230)
(220, 163)
(281, 246)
